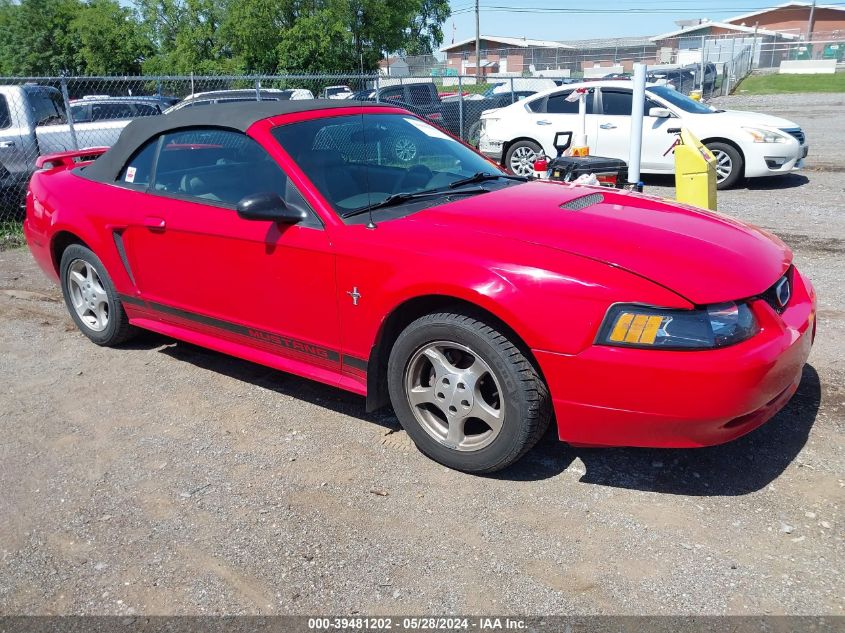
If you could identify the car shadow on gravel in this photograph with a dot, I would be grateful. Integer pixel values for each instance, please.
(769, 183)
(737, 468)
(281, 382)
(745, 465)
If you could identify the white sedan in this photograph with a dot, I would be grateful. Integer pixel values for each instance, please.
(746, 144)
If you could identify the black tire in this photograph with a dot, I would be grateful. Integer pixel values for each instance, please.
(737, 164)
(117, 329)
(515, 152)
(524, 399)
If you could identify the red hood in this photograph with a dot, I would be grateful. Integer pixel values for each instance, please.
(703, 256)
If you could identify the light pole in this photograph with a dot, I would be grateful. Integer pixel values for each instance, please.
(477, 43)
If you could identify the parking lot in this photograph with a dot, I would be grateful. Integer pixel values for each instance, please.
(161, 478)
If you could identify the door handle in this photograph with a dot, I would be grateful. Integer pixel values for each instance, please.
(154, 224)
(4, 144)
(607, 126)
(544, 122)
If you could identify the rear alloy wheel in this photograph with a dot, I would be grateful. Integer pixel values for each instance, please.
(465, 394)
(729, 164)
(91, 298)
(520, 157)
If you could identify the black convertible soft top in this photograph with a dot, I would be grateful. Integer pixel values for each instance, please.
(234, 116)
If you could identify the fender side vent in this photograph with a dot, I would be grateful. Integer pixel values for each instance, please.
(576, 204)
(118, 242)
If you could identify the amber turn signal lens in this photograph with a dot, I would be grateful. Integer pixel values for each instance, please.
(636, 328)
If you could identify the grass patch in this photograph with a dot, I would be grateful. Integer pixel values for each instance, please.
(773, 84)
(11, 235)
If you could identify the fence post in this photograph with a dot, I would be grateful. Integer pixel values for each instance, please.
(753, 46)
(378, 88)
(703, 60)
(68, 114)
(257, 89)
(513, 96)
(461, 106)
(158, 87)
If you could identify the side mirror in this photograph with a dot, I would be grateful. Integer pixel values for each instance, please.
(660, 113)
(268, 206)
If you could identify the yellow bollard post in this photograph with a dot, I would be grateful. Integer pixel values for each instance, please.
(695, 172)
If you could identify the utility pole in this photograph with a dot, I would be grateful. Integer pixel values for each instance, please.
(477, 44)
(810, 24)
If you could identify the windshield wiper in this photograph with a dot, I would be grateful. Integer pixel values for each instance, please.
(400, 198)
(482, 176)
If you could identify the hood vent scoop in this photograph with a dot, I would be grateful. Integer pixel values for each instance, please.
(576, 204)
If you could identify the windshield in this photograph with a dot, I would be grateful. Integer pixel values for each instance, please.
(358, 161)
(680, 100)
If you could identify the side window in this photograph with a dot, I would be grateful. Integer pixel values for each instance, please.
(419, 95)
(5, 115)
(145, 109)
(80, 113)
(394, 94)
(47, 108)
(107, 111)
(616, 102)
(538, 105)
(219, 167)
(138, 170)
(620, 102)
(557, 104)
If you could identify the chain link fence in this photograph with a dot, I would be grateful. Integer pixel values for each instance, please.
(41, 115)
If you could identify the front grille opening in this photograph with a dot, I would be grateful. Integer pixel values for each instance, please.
(771, 295)
(798, 134)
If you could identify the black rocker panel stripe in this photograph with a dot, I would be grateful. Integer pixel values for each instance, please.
(271, 338)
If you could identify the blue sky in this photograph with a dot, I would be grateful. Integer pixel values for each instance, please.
(613, 18)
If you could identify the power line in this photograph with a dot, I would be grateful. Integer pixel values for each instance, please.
(617, 11)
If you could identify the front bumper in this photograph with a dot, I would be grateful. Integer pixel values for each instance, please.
(611, 396)
(772, 160)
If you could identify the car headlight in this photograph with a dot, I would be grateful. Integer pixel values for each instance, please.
(630, 325)
(762, 135)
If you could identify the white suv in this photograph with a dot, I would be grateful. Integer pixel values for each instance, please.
(744, 143)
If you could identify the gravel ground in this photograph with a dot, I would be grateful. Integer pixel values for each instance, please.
(161, 478)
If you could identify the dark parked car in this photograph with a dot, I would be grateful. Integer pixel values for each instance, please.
(97, 108)
(420, 98)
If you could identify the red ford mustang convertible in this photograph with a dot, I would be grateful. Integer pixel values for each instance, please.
(481, 306)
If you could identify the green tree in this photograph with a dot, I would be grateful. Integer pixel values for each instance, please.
(7, 17)
(187, 36)
(317, 42)
(425, 33)
(111, 39)
(39, 39)
(254, 29)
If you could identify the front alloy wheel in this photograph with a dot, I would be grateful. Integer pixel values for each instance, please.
(454, 396)
(729, 164)
(465, 393)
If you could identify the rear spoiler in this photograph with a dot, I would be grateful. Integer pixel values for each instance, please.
(66, 160)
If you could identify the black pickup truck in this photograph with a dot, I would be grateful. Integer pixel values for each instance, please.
(422, 99)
